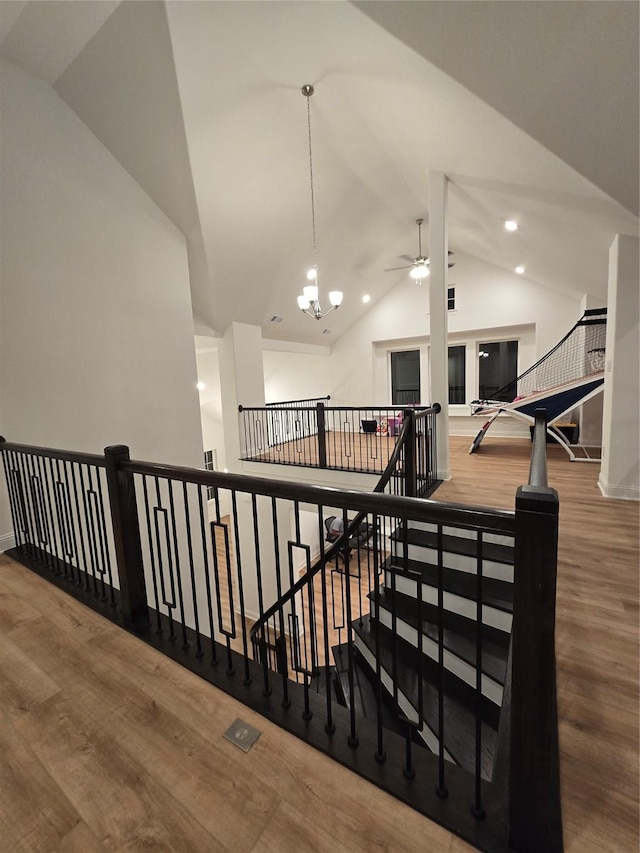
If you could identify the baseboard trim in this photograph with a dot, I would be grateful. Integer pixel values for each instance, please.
(622, 493)
(7, 541)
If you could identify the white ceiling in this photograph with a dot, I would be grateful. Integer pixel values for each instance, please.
(530, 108)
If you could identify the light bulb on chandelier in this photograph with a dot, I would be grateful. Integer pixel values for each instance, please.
(309, 300)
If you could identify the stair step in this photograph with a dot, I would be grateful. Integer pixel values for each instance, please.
(459, 717)
(459, 590)
(458, 552)
(463, 533)
(365, 691)
(459, 637)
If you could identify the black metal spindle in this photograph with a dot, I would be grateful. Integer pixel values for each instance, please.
(204, 526)
(152, 558)
(477, 808)
(160, 512)
(353, 737)
(81, 533)
(243, 633)
(380, 754)
(104, 544)
(177, 564)
(441, 788)
(279, 632)
(194, 598)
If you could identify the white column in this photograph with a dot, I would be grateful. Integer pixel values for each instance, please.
(590, 413)
(620, 471)
(438, 246)
(241, 383)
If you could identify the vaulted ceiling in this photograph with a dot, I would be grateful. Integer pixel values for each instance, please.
(530, 109)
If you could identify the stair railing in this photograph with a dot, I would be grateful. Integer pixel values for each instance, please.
(182, 580)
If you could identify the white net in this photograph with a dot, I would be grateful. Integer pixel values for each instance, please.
(578, 355)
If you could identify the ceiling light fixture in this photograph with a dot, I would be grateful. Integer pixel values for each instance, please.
(511, 225)
(520, 270)
(309, 301)
(201, 386)
(366, 298)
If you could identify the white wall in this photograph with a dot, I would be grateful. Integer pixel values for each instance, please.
(96, 334)
(488, 302)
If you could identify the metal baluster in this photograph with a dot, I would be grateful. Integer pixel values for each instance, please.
(81, 535)
(205, 554)
(160, 511)
(196, 617)
(178, 569)
(477, 809)
(151, 554)
(441, 787)
(279, 640)
(380, 754)
(353, 737)
(104, 542)
(91, 563)
(247, 677)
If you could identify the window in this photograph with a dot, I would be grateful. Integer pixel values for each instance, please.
(210, 463)
(451, 299)
(497, 370)
(405, 377)
(457, 387)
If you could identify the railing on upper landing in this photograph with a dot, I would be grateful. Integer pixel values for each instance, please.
(244, 590)
(309, 433)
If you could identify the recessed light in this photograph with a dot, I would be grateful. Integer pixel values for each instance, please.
(201, 386)
(520, 270)
(366, 298)
(511, 225)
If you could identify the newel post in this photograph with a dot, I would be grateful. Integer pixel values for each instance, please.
(126, 536)
(322, 435)
(410, 459)
(535, 820)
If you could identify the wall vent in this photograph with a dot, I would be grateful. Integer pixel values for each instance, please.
(276, 319)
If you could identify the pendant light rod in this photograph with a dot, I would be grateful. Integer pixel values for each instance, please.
(309, 300)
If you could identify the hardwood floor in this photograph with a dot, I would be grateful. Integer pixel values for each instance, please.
(106, 745)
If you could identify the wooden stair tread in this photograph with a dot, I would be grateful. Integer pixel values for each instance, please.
(464, 546)
(459, 635)
(459, 733)
(495, 593)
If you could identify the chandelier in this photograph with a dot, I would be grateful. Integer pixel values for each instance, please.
(309, 301)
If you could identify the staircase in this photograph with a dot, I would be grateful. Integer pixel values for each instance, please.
(397, 644)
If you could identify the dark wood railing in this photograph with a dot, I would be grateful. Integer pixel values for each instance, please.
(244, 590)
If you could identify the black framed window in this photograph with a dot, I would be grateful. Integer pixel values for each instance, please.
(498, 370)
(457, 385)
(405, 377)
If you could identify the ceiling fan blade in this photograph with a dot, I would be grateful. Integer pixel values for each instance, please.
(392, 269)
(407, 258)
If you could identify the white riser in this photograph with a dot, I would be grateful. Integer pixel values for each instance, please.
(464, 671)
(490, 569)
(455, 603)
(496, 538)
(428, 737)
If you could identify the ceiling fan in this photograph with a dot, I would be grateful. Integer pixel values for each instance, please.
(419, 265)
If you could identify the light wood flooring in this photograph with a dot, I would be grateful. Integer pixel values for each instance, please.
(106, 745)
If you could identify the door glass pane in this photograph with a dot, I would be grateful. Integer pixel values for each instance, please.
(457, 390)
(405, 377)
(498, 370)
